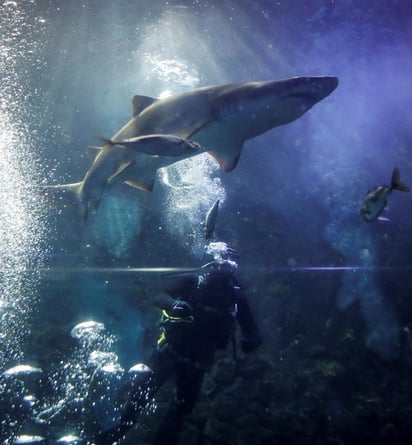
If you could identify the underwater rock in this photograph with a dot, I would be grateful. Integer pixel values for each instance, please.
(388, 435)
(106, 362)
(23, 386)
(327, 368)
(318, 351)
(223, 371)
(27, 439)
(405, 430)
(139, 368)
(86, 329)
(69, 439)
(22, 371)
(227, 406)
(220, 432)
(253, 367)
(264, 391)
(90, 334)
(249, 437)
(190, 435)
(103, 401)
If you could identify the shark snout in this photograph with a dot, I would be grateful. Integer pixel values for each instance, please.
(312, 89)
(328, 85)
(321, 87)
(194, 145)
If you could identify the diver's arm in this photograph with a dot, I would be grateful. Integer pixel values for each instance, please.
(162, 300)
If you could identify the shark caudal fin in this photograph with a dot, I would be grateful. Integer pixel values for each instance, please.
(67, 194)
(396, 183)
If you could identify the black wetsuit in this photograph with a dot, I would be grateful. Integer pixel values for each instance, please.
(186, 349)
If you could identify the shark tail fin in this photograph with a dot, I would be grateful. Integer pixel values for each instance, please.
(67, 194)
(396, 183)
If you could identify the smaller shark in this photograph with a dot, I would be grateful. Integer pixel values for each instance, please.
(110, 161)
(156, 145)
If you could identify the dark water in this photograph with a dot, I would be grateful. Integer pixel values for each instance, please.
(331, 294)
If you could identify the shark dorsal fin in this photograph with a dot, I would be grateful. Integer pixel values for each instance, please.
(140, 103)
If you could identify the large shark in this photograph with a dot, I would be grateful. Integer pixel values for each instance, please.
(220, 118)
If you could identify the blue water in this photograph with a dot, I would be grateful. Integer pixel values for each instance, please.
(318, 277)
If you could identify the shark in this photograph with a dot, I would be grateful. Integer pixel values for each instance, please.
(220, 118)
(110, 162)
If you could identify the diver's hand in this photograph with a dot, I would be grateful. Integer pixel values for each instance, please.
(250, 343)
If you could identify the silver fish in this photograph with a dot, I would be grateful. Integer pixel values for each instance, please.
(377, 199)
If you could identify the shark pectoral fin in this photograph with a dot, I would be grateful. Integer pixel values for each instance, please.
(119, 171)
(141, 176)
(227, 155)
(140, 103)
(92, 152)
(225, 163)
(146, 187)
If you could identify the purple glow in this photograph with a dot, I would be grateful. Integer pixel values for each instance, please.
(186, 270)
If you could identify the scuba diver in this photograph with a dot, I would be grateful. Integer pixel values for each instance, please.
(193, 327)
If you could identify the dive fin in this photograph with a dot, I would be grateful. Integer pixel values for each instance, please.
(119, 171)
(140, 103)
(211, 219)
(396, 181)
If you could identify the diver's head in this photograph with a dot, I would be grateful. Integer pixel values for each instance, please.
(225, 260)
(224, 263)
(221, 268)
(221, 251)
